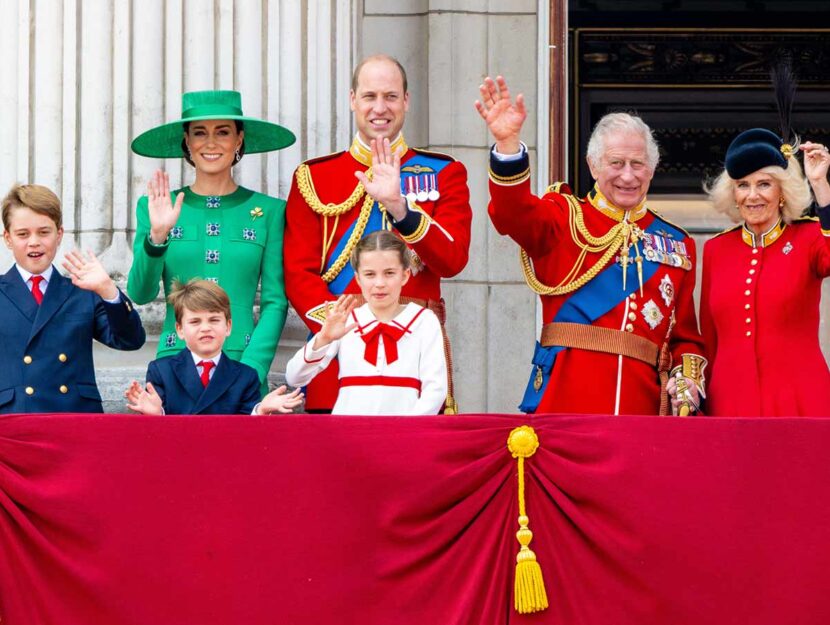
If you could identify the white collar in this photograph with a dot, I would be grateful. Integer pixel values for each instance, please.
(26, 275)
(366, 318)
(215, 359)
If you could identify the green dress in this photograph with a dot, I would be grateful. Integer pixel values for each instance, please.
(233, 240)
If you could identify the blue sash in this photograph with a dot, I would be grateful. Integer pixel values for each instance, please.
(418, 166)
(586, 305)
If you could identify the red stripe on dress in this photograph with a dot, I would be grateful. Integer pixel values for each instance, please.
(380, 380)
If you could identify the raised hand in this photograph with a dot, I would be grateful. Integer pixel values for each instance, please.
(504, 117)
(163, 213)
(280, 401)
(143, 400)
(335, 325)
(87, 273)
(816, 164)
(385, 185)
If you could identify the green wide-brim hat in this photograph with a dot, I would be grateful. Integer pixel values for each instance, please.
(166, 141)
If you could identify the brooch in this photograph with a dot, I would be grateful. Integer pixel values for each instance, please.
(651, 313)
(256, 212)
(248, 234)
(213, 201)
(212, 229)
(788, 247)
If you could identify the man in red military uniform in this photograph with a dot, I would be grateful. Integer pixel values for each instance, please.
(615, 279)
(379, 182)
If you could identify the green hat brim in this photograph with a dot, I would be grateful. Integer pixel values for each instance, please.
(165, 141)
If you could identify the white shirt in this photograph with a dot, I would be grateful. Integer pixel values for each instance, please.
(27, 277)
(215, 360)
(382, 388)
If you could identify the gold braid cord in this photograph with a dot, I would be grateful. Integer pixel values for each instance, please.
(357, 234)
(610, 243)
(307, 190)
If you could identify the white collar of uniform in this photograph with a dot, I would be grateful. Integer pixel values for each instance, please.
(215, 359)
(366, 319)
(26, 275)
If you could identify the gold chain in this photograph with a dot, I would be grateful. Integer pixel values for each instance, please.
(356, 235)
(306, 187)
(611, 242)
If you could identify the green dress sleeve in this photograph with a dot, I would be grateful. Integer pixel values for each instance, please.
(148, 259)
(273, 303)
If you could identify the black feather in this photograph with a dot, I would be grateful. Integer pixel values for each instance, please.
(784, 83)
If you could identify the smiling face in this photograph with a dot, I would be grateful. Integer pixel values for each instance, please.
(381, 276)
(213, 144)
(757, 196)
(204, 332)
(33, 239)
(379, 101)
(623, 174)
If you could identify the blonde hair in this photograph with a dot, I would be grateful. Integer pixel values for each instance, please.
(198, 296)
(381, 241)
(36, 198)
(794, 189)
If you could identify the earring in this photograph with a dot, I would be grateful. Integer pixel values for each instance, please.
(781, 202)
(238, 155)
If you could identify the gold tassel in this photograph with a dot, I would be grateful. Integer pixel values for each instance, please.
(529, 587)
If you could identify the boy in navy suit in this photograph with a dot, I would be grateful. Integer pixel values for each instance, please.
(201, 379)
(48, 322)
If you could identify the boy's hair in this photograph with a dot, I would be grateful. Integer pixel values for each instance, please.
(36, 198)
(381, 241)
(198, 296)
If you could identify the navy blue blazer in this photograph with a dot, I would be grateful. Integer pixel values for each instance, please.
(233, 389)
(46, 351)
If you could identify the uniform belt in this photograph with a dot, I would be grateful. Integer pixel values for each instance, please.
(593, 338)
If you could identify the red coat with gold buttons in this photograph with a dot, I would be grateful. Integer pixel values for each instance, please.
(759, 314)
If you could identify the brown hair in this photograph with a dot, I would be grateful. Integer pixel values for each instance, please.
(36, 198)
(381, 241)
(379, 57)
(198, 296)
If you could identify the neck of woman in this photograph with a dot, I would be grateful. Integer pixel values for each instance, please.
(221, 183)
(386, 313)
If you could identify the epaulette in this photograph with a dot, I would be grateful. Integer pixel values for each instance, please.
(561, 188)
(439, 155)
(671, 223)
(320, 159)
(729, 229)
(805, 218)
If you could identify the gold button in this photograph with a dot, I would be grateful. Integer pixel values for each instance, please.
(749, 280)
(748, 320)
(632, 316)
(30, 390)
(751, 272)
(27, 360)
(747, 307)
(747, 292)
(633, 296)
(748, 333)
(63, 389)
(632, 306)
(754, 250)
(62, 357)
(629, 327)
(754, 261)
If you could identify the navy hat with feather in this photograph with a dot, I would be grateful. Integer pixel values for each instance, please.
(757, 148)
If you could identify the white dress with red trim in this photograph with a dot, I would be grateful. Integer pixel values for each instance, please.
(394, 368)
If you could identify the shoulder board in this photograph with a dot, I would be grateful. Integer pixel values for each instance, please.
(671, 223)
(804, 219)
(320, 159)
(729, 229)
(438, 155)
(561, 188)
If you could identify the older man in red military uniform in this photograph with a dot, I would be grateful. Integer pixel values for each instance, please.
(615, 279)
(379, 182)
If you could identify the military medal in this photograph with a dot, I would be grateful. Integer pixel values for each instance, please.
(410, 189)
(433, 194)
(667, 290)
(423, 195)
(788, 248)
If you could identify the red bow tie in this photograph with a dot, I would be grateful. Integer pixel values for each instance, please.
(391, 335)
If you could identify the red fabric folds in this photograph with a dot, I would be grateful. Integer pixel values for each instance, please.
(131, 520)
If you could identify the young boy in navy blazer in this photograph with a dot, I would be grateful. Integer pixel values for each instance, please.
(201, 379)
(47, 321)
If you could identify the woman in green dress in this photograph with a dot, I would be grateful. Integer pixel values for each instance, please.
(213, 229)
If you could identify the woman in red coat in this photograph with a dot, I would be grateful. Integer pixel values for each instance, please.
(761, 285)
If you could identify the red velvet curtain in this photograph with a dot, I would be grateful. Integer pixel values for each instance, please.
(126, 520)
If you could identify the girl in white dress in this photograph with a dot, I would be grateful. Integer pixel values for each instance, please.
(391, 355)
